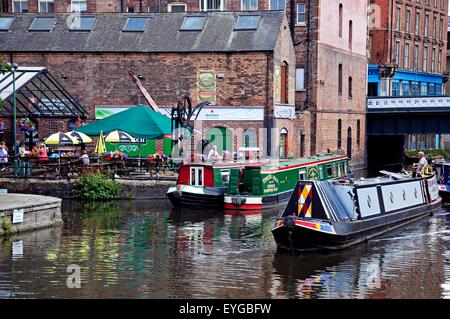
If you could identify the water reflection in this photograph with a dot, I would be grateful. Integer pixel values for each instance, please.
(145, 249)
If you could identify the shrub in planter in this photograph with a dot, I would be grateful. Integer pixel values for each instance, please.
(96, 187)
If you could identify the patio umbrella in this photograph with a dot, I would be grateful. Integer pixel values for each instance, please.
(100, 147)
(60, 139)
(80, 137)
(119, 137)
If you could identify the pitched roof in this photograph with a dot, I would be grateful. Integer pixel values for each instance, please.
(162, 34)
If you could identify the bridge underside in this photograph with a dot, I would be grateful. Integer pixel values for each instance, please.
(403, 123)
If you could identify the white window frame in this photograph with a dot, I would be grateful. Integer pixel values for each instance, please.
(242, 6)
(21, 2)
(299, 88)
(296, 16)
(205, 2)
(46, 2)
(406, 55)
(425, 59)
(196, 169)
(78, 2)
(270, 6)
(169, 6)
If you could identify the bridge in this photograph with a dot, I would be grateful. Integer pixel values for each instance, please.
(408, 115)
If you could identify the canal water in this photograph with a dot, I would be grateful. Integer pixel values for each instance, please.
(145, 249)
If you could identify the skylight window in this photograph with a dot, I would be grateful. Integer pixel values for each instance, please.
(42, 24)
(5, 23)
(135, 24)
(82, 23)
(247, 22)
(193, 23)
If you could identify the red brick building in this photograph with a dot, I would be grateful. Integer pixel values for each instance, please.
(329, 37)
(251, 67)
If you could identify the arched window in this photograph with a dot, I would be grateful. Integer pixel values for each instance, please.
(340, 79)
(339, 134)
(341, 18)
(250, 139)
(350, 87)
(358, 133)
(350, 34)
(283, 143)
(349, 142)
(284, 83)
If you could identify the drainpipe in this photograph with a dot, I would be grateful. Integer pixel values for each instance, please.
(292, 19)
(308, 43)
(267, 118)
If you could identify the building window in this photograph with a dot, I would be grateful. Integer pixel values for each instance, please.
(440, 61)
(130, 9)
(416, 57)
(300, 79)
(79, 6)
(177, 7)
(350, 34)
(441, 29)
(284, 83)
(5, 23)
(426, 25)
(397, 18)
(46, 6)
(425, 59)
(438, 89)
(358, 133)
(417, 24)
(340, 79)
(415, 89)
(339, 134)
(395, 88)
(20, 6)
(350, 87)
(408, 21)
(277, 5)
(406, 56)
(249, 5)
(341, 19)
(423, 89)
(434, 27)
(250, 139)
(212, 5)
(397, 52)
(433, 59)
(406, 88)
(431, 89)
(82, 23)
(284, 143)
(42, 24)
(301, 13)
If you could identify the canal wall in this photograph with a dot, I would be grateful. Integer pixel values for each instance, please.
(130, 189)
(24, 212)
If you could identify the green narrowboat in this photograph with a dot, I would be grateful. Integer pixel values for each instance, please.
(203, 184)
(255, 187)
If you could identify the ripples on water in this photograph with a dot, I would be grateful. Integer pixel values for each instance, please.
(144, 249)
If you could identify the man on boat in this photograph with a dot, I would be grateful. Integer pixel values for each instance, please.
(213, 155)
(422, 163)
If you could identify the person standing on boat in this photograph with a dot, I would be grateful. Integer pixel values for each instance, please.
(422, 163)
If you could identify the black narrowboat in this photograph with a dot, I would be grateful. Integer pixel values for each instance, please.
(327, 215)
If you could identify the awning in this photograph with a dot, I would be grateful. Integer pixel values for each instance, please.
(38, 94)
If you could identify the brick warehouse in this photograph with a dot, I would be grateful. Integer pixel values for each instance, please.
(328, 117)
(249, 64)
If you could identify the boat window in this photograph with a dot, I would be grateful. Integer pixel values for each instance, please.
(339, 169)
(329, 170)
(225, 174)
(320, 172)
(302, 175)
(196, 176)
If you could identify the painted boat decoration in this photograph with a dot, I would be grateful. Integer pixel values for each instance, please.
(202, 184)
(257, 187)
(335, 215)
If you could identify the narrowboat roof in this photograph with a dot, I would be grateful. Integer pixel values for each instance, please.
(298, 162)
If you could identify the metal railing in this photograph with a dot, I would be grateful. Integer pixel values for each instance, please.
(403, 102)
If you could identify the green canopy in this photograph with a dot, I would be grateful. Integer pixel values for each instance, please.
(138, 121)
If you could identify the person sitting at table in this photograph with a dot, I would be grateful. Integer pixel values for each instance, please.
(3, 155)
(84, 157)
(22, 151)
(35, 151)
(213, 155)
(42, 152)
